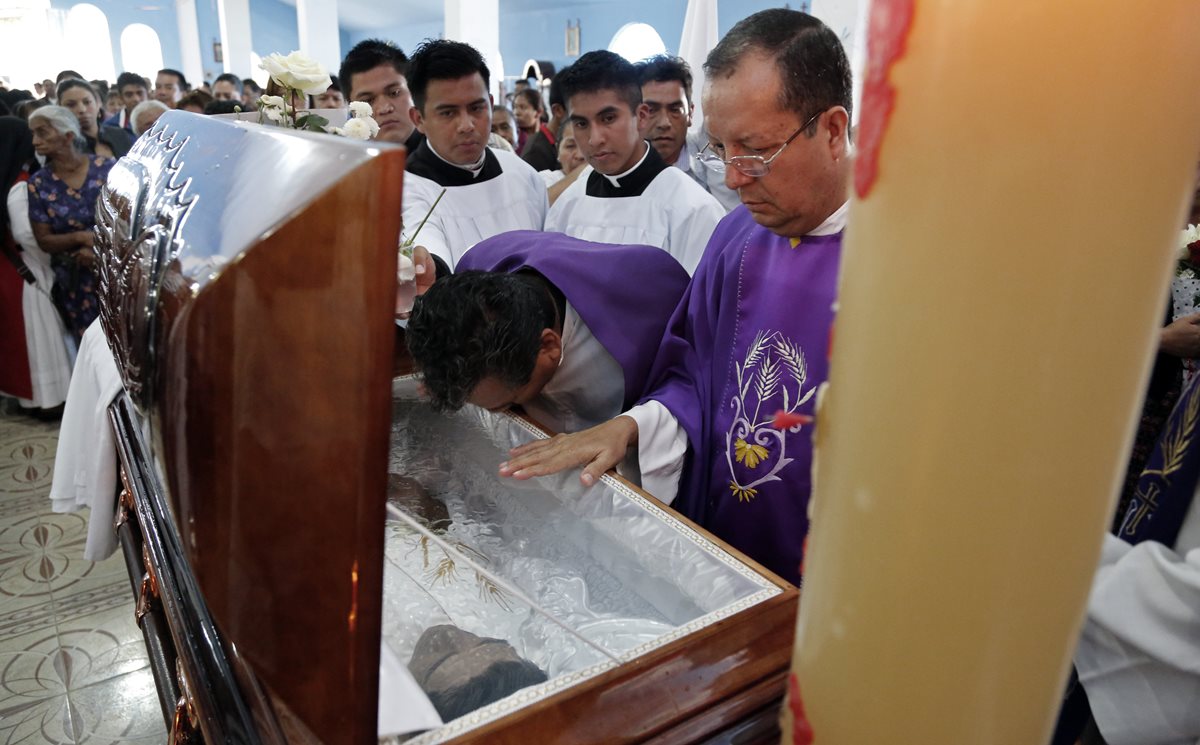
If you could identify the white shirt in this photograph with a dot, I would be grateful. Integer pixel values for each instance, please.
(662, 442)
(514, 200)
(709, 174)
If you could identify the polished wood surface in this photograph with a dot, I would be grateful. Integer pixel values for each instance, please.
(662, 690)
(275, 417)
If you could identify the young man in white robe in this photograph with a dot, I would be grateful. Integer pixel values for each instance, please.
(627, 194)
(487, 191)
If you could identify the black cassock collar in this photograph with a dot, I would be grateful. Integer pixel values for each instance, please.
(425, 163)
(633, 183)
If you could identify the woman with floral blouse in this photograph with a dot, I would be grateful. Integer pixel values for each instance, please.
(62, 208)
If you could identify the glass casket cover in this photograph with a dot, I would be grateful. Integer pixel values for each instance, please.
(576, 580)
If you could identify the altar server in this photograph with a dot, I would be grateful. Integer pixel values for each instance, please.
(487, 191)
(627, 194)
(548, 322)
(751, 335)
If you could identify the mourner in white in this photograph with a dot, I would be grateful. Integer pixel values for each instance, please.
(487, 191)
(627, 195)
(667, 93)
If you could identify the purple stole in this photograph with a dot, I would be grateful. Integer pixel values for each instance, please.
(624, 294)
(750, 338)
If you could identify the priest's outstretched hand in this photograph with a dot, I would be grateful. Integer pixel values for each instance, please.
(597, 449)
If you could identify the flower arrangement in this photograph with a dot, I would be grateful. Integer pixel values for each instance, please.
(301, 76)
(1189, 246)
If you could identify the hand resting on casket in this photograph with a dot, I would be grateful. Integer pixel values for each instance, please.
(598, 449)
(409, 495)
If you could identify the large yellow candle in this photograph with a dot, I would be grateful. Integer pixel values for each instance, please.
(1004, 275)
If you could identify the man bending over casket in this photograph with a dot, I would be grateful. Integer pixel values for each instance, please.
(549, 322)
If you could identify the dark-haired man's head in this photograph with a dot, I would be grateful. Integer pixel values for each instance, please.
(558, 104)
(487, 338)
(227, 87)
(133, 90)
(451, 104)
(170, 86)
(667, 92)
(66, 74)
(504, 124)
(604, 104)
(779, 87)
(250, 93)
(374, 72)
(332, 97)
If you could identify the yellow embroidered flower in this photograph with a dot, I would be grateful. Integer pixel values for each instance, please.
(743, 494)
(749, 454)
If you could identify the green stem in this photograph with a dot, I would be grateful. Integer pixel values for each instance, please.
(413, 238)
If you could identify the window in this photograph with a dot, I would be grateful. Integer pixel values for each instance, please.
(260, 76)
(636, 42)
(141, 51)
(88, 45)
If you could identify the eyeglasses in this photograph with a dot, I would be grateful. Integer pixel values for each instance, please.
(755, 166)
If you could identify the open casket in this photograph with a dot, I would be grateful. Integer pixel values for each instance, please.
(301, 521)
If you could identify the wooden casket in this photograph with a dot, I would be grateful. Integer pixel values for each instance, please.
(299, 520)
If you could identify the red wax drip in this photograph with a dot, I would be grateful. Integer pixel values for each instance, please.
(802, 731)
(887, 32)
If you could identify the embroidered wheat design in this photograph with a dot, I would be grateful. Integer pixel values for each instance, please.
(1178, 441)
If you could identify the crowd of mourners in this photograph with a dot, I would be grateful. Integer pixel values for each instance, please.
(661, 292)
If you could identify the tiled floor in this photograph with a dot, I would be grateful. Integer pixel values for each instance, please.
(73, 666)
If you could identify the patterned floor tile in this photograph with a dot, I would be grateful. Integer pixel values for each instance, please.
(33, 699)
(26, 602)
(44, 722)
(120, 710)
(27, 461)
(99, 647)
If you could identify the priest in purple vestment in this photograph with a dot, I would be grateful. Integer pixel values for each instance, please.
(751, 335)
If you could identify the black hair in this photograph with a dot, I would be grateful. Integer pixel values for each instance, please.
(809, 56)
(131, 78)
(183, 83)
(532, 97)
(663, 68)
(599, 71)
(443, 59)
(229, 77)
(252, 84)
(335, 83)
(65, 74)
(476, 325)
(367, 55)
(222, 107)
(69, 83)
(556, 92)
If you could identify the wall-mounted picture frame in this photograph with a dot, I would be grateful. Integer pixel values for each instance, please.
(572, 45)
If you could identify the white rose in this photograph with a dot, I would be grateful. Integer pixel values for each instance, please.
(360, 109)
(298, 72)
(357, 129)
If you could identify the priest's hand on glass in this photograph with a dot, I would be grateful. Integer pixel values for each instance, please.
(1181, 337)
(597, 449)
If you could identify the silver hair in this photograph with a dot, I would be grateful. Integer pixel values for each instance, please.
(142, 108)
(63, 122)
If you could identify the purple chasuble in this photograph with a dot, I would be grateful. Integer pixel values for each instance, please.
(751, 337)
(625, 294)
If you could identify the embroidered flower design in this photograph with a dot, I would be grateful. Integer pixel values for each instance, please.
(742, 493)
(749, 454)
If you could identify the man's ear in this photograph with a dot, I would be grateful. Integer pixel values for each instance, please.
(419, 121)
(551, 347)
(837, 121)
(642, 114)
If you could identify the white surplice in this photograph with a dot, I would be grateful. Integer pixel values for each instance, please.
(515, 199)
(1139, 654)
(664, 207)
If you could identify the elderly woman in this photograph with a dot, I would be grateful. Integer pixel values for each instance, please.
(145, 114)
(102, 139)
(62, 206)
